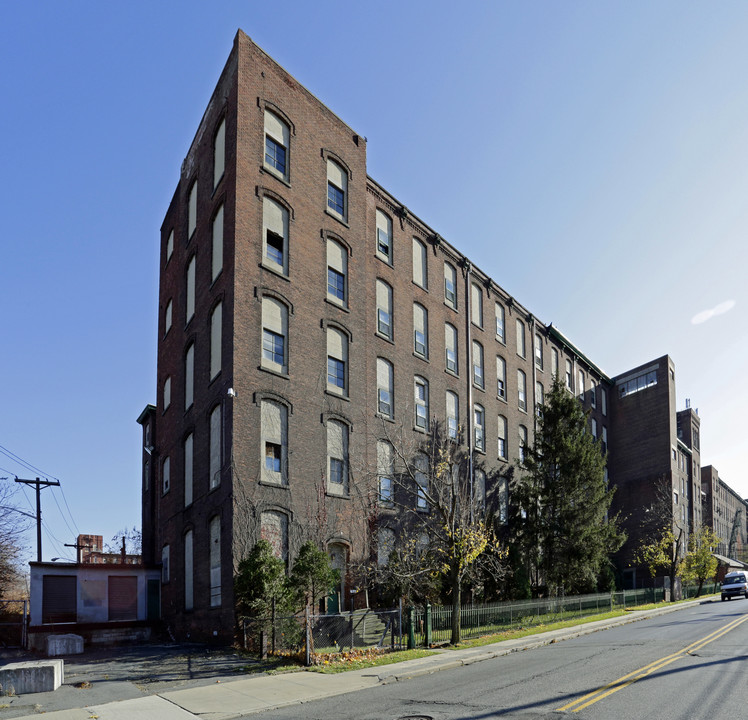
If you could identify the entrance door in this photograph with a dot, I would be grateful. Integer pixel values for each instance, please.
(336, 598)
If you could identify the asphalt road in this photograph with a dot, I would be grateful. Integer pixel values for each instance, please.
(690, 664)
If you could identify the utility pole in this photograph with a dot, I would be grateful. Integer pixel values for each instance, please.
(78, 547)
(38, 484)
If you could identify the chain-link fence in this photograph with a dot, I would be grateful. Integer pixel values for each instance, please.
(433, 625)
(310, 634)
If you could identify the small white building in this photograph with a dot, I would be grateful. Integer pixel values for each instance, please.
(103, 603)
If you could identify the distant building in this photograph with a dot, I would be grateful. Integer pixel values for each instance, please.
(654, 460)
(91, 548)
(726, 513)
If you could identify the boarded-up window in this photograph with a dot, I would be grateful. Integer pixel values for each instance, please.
(216, 321)
(476, 305)
(215, 562)
(219, 153)
(59, 599)
(188, 443)
(189, 601)
(123, 598)
(167, 392)
(190, 305)
(274, 529)
(216, 263)
(215, 447)
(419, 263)
(189, 377)
(192, 211)
(385, 545)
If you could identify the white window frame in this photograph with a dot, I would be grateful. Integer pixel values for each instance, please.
(337, 263)
(502, 448)
(500, 378)
(274, 325)
(453, 414)
(500, 323)
(385, 390)
(521, 390)
(420, 328)
(421, 400)
(385, 326)
(479, 427)
(337, 450)
(383, 238)
(479, 376)
(337, 350)
(274, 434)
(279, 133)
(451, 357)
(275, 223)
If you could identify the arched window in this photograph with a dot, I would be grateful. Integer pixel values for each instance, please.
(277, 137)
(274, 335)
(385, 400)
(420, 268)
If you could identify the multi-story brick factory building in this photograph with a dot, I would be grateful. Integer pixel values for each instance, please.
(302, 309)
(726, 513)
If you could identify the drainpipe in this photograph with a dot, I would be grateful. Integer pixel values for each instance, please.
(531, 325)
(467, 265)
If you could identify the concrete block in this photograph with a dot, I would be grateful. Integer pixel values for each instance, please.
(33, 676)
(64, 645)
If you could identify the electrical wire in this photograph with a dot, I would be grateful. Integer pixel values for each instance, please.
(72, 532)
(26, 464)
(17, 458)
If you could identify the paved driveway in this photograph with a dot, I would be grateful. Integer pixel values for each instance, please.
(103, 675)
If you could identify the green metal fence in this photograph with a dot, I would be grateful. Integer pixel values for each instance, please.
(432, 625)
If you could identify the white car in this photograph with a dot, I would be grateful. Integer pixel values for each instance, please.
(733, 584)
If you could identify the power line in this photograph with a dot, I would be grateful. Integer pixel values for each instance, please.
(17, 458)
(26, 464)
(72, 532)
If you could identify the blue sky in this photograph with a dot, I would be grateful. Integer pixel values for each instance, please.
(592, 157)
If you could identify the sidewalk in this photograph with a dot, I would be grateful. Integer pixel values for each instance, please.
(234, 698)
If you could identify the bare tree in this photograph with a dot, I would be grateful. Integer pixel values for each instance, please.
(13, 524)
(442, 502)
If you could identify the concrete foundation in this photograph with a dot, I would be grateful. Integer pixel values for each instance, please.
(35, 676)
(69, 644)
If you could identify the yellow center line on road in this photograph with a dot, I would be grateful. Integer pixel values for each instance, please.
(632, 677)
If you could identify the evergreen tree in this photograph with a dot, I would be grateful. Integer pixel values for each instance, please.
(261, 581)
(312, 577)
(561, 501)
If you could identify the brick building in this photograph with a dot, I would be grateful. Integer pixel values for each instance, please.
(726, 513)
(654, 460)
(303, 309)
